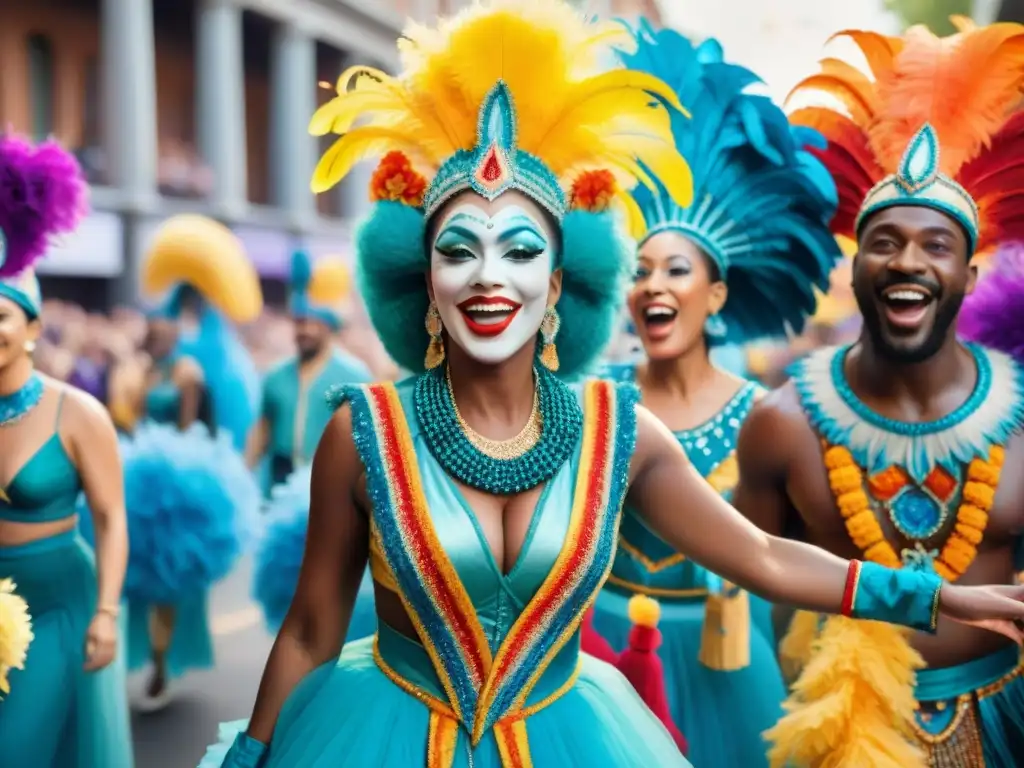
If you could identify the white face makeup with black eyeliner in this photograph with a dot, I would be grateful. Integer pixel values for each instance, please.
(491, 275)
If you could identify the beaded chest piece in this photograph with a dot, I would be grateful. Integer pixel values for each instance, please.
(551, 436)
(920, 476)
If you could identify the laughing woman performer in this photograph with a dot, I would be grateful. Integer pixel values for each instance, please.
(485, 491)
(741, 264)
(66, 708)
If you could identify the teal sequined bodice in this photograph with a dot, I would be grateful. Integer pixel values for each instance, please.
(644, 562)
(498, 598)
(45, 488)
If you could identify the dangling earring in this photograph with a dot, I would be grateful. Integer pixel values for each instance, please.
(435, 350)
(30, 347)
(715, 327)
(548, 331)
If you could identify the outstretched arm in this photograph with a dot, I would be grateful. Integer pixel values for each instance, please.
(337, 542)
(684, 510)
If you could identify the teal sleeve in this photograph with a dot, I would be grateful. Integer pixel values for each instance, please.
(905, 597)
(246, 752)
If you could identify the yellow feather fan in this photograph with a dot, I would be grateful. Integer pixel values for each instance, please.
(15, 632)
(853, 704)
(573, 113)
(206, 255)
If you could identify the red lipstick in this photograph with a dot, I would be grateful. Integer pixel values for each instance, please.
(488, 316)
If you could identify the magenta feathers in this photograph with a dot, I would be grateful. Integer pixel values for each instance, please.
(994, 314)
(42, 193)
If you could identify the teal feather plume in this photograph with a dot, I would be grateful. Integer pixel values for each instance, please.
(762, 201)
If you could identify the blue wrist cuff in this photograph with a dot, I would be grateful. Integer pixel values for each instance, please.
(245, 752)
(909, 598)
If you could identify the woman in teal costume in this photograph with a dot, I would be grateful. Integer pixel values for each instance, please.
(66, 707)
(191, 500)
(739, 265)
(485, 491)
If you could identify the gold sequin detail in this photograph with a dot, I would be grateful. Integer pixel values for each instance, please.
(503, 450)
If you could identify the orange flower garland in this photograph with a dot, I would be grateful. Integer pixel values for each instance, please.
(846, 480)
(395, 180)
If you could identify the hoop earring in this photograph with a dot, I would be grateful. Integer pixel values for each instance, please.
(435, 350)
(715, 327)
(30, 347)
(549, 327)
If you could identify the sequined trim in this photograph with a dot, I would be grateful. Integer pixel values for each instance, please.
(554, 613)
(430, 589)
(443, 731)
(652, 566)
(960, 743)
(644, 589)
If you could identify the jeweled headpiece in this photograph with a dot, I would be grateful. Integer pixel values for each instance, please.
(507, 95)
(43, 195)
(936, 126)
(762, 202)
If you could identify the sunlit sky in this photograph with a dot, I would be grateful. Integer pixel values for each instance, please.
(780, 40)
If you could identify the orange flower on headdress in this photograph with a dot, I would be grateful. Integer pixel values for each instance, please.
(593, 191)
(396, 181)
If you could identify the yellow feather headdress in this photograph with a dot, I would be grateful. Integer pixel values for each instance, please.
(197, 251)
(515, 94)
(935, 122)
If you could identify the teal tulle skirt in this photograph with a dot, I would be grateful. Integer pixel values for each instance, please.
(348, 713)
(57, 715)
(191, 646)
(721, 714)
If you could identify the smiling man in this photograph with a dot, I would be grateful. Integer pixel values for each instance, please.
(893, 449)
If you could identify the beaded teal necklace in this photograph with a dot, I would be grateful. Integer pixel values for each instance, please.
(562, 424)
(15, 406)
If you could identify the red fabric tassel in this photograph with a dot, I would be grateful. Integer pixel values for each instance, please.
(640, 664)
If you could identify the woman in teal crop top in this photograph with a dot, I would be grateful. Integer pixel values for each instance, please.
(65, 707)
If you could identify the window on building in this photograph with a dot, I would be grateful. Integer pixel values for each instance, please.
(91, 123)
(41, 85)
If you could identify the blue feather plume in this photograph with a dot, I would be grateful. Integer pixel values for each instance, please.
(762, 201)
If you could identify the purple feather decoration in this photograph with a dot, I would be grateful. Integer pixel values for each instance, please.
(993, 315)
(42, 193)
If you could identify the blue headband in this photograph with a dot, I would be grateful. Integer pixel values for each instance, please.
(24, 291)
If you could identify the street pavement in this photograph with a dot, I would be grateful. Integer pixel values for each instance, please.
(177, 736)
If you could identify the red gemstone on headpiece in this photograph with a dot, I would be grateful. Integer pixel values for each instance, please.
(491, 171)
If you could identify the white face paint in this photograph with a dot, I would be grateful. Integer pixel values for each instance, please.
(491, 276)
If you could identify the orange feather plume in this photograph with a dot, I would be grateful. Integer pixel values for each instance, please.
(967, 86)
